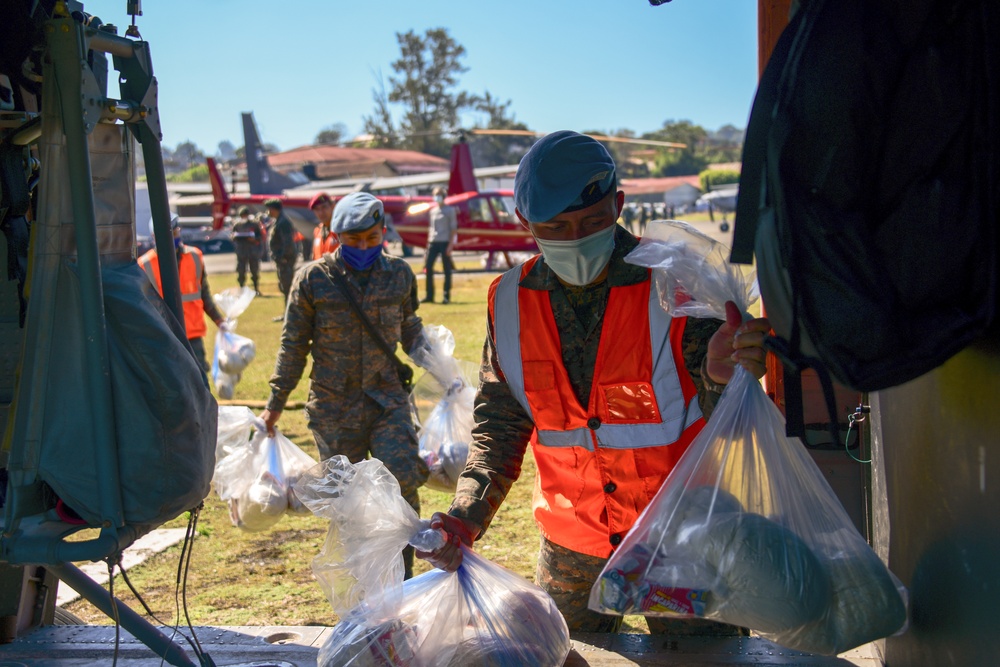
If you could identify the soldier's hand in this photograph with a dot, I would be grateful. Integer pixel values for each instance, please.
(737, 342)
(270, 418)
(457, 531)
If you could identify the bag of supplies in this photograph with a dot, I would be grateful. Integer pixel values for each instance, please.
(482, 614)
(255, 476)
(745, 530)
(444, 399)
(233, 353)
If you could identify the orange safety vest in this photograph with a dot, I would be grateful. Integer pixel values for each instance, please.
(323, 245)
(599, 465)
(190, 272)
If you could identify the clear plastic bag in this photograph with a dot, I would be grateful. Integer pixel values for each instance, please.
(444, 399)
(482, 614)
(745, 529)
(256, 479)
(233, 353)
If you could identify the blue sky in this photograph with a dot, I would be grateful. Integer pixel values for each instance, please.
(301, 65)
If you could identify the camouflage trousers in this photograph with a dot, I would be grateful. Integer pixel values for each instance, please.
(568, 577)
(388, 435)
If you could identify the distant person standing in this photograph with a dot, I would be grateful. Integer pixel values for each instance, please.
(247, 237)
(196, 295)
(442, 233)
(283, 248)
(628, 217)
(324, 240)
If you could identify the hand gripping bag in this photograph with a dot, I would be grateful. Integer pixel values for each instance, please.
(745, 530)
(482, 614)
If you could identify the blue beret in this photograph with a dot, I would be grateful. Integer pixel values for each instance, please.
(563, 171)
(357, 211)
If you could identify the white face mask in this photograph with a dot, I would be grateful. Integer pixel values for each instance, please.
(580, 261)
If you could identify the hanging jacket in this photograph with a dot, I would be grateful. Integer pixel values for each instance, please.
(599, 465)
(190, 270)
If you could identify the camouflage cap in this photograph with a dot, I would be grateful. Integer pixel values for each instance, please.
(244, 210)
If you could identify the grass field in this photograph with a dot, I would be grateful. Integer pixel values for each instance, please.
(241, 578)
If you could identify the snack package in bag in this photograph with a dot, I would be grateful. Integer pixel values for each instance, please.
(444, 398)
(256, 476)
(482, 614)
(745, 530)
(233, 353)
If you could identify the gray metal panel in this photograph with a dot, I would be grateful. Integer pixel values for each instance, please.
(298, 646)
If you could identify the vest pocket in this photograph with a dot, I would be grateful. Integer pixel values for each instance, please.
(630, 403)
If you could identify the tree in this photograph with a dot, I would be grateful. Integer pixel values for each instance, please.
(332, 134)
(187, 154)
(426, 74)
(226, 151)
(379, 126)
(493, 150)
(683, 161)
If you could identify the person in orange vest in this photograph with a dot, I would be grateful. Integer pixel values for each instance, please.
(324, 240)
(581, 362)
(196, 295)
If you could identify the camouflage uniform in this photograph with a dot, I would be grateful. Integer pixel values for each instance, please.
(356, 403)
(503, 428)
(248, 251)
(284, 252)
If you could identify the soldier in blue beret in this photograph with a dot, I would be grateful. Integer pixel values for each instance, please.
(357, 404)
(581, 361)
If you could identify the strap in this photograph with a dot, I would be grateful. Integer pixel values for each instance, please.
(337, 278)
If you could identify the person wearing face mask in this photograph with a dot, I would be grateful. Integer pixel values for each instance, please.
(441, 236)
(357, 405)
(196, 295)
(582, 362)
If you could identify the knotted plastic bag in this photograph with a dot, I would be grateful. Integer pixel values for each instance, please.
(444, 399)
(256, 476)
(482, 614)
(233, 353)
(745, 530)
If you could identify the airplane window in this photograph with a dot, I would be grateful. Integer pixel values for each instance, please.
(504, 206)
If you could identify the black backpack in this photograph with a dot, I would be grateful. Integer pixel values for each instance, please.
(869, 187)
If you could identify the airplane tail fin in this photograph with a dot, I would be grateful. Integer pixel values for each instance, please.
(220, 198)
(463, 178)
(263, 179)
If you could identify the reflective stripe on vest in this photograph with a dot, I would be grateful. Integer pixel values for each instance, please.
(676, 413)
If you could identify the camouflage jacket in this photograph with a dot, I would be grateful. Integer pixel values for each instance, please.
(347, 362)
(244, 243)
(503, 427)
(282, 240)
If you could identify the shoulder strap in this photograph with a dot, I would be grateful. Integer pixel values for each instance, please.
(337, 278)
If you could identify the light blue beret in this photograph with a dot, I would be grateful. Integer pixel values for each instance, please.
(563, 171)
(357, 211)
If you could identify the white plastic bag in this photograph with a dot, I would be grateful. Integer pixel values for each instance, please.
(482, 614)
(444, 399)
(257, 478)
(233, 353)
(745, 529)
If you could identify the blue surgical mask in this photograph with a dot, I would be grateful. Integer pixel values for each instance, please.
(580, 261)
(358, 259)
(177, 242)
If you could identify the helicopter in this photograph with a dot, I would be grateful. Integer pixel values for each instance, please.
(486, 220)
